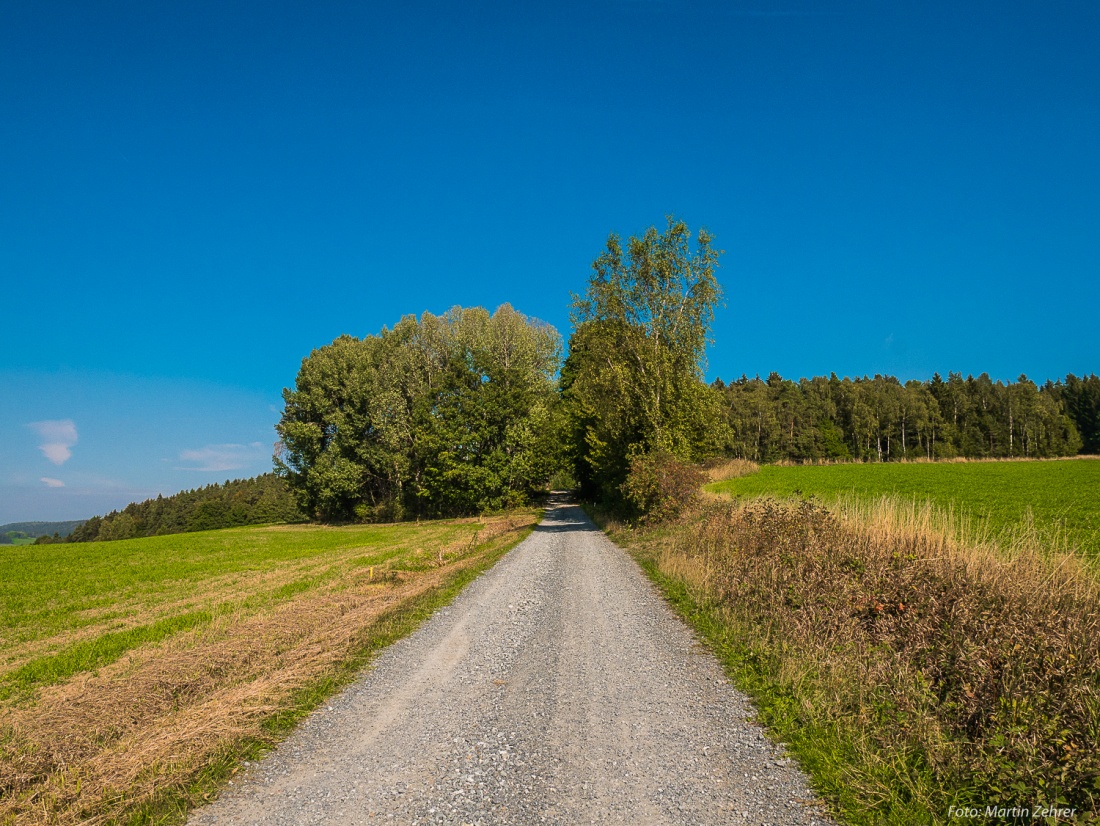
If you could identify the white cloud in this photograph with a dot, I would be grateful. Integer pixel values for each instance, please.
(58, 435)
(52, 483)
(57, 453)
(222, 457)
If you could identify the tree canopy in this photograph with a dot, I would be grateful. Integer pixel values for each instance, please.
(632, 383)
(440, 415)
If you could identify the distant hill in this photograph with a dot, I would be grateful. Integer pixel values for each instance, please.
(22, 530)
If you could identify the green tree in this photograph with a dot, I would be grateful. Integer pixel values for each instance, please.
(441, 415)
(1081, 399)
(633, 381)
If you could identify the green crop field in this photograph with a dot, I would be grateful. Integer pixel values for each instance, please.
(171, 657)
(1061, 497)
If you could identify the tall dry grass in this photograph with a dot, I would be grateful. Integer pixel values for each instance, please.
(954, 672)
(923, 460)
(729, 469)
(886, 518)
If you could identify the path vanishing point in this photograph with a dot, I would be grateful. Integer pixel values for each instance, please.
(558, 688)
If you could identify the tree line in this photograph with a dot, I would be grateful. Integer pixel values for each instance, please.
(466, 412)
(261, 500)
(884, 419)
(469, 411)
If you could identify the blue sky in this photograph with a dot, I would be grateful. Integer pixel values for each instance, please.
(194, 195)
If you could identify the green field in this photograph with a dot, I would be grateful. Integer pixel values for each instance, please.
(1062, 497)
(80, 605)
(171, 658)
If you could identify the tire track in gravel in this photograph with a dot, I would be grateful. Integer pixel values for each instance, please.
(558, 688)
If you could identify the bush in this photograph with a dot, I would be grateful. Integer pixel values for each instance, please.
(961, 675)
(563, 480)
(660, 487)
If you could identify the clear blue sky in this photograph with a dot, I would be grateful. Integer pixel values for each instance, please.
(194, 195)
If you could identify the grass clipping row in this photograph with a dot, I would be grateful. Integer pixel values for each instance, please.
(113, 745)
(912, 672)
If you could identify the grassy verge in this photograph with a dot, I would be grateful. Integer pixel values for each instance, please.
(912, 676)
(158, 723)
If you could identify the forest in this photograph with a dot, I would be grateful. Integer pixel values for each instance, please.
(255, 501)
(470, 411)
(883, 419)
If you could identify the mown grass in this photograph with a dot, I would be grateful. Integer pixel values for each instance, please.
(138, 674)
(51, 593)
(1058, 499)
(907, 671)
(92, 653)
(45, 589)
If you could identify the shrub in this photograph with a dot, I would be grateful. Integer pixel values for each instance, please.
(961, 673)
(660, 487)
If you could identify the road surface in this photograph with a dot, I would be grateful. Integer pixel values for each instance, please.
(557, 688)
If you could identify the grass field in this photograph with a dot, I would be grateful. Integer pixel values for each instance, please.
(1060, 498)
(134, 674)
(22, 540)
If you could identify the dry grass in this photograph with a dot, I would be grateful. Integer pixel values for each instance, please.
(921, 460)
(948, 672)
(730, 469)
(102, 745)
(889, 519)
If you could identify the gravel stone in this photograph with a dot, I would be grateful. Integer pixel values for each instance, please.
(558, 688)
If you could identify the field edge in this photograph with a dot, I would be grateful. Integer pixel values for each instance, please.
(173, 804)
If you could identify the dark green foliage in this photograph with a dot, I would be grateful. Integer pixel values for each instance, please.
(632, 384)
(443, 415)
(1081, 397)
(50, 540)
(264, 499)
(881, 419)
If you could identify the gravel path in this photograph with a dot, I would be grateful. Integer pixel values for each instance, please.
(557, 688)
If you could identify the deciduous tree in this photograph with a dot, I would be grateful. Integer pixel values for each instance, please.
(633, 380)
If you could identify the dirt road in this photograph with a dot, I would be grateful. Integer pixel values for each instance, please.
(558, 688)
